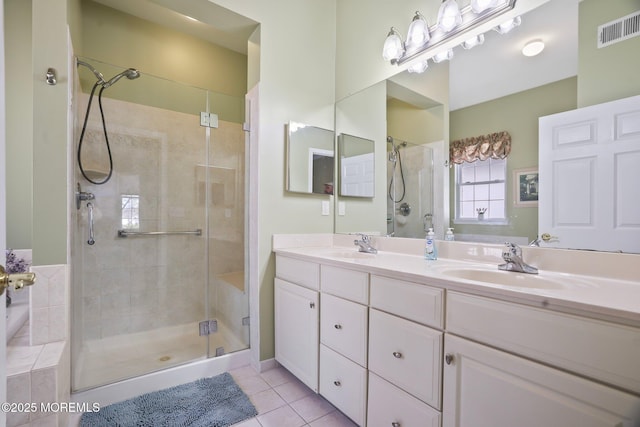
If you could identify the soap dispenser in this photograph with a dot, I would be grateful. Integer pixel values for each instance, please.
(449, 235)
(430, 250)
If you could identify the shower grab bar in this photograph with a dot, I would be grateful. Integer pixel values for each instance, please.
(91, 240)
(127, 233)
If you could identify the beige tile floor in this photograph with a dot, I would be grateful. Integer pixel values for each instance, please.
(283, 401)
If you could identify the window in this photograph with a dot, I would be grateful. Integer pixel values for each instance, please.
(481, 187)
(130, 211)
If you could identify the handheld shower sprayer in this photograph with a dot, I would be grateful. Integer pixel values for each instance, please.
(129, 73)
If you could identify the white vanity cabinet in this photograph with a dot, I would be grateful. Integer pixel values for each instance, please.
(296, 304)
(405, 355)
(507, 385)
(343, 340)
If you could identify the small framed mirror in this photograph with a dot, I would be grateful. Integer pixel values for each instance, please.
(310, 159)
(357, 166)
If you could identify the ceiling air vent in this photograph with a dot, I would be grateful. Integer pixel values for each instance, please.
(621, 29)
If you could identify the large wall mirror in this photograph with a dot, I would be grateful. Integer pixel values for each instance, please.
(310, 159)
(490, 88)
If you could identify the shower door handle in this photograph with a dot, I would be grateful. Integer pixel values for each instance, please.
(91, 240)
(17, 280)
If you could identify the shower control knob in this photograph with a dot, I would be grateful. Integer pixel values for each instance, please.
(17, 280)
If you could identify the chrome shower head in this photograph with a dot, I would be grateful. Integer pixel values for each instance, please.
(130, 73)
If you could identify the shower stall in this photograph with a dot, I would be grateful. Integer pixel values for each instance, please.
(158, 226)
(410, 197)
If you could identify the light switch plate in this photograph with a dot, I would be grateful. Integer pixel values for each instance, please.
(325, 207)
(342, 208)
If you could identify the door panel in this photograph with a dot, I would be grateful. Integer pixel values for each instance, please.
(588, 188)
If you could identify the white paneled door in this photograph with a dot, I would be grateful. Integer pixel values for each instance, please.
(590, 177)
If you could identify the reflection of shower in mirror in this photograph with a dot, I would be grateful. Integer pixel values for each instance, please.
(410, 178)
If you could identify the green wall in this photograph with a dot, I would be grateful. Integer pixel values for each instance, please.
(612, 72)
(19, 124)
(517, 114)
(162, 52)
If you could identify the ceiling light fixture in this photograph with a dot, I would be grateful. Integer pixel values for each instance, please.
(533, 47)
(452, 22)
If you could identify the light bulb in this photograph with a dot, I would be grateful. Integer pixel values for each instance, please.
(393, 47)
(479, 6)
(509, 25)
(449, 15)
(473, 41)
(418, 34)
(419, 67)
(445, 55)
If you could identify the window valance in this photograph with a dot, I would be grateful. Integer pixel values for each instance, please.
(495, 145)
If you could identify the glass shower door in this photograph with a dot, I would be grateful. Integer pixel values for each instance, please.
(225, 172)
(141, 289)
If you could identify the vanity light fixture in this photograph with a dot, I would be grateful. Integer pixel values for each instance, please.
(418, 34)
(419, 67)
(449, 15)
(479, 6)
(452, 21)
(445, 55)
(393, 48)
(533, 47)
(509, 25)
(473, 42)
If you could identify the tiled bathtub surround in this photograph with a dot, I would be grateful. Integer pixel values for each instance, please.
(38, 367)
(49, 304)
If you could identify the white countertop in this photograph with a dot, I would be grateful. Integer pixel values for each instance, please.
(595, 296)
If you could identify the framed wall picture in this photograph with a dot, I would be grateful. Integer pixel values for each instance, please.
(525, 187)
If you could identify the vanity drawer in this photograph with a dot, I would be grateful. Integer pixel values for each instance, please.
(350, 284)
(344, 384)
(343, 327)
(601, 350)
(300, 272)
(388, 405)
(406, 354)
(413, 301)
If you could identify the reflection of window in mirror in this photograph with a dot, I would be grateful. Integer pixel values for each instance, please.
(481, 190)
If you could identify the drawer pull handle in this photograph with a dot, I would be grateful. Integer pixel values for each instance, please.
(448, 358)
(397, 355)
(337, 383)
(337, 326)
(312, 304)
(395, 424)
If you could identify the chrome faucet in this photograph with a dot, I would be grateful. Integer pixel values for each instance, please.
(364, 245)
(512, 254)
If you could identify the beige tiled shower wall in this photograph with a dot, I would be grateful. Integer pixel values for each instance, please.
(135, 284)
(49, 304)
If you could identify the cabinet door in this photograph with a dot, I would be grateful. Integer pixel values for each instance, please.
(296, 331)
(484, 387)
(390, 406)
(406, 354)
(344, 384)
(343, 327)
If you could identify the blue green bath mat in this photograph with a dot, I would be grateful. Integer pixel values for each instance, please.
(207, 402)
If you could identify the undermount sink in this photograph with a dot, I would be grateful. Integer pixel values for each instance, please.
(505, 278)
